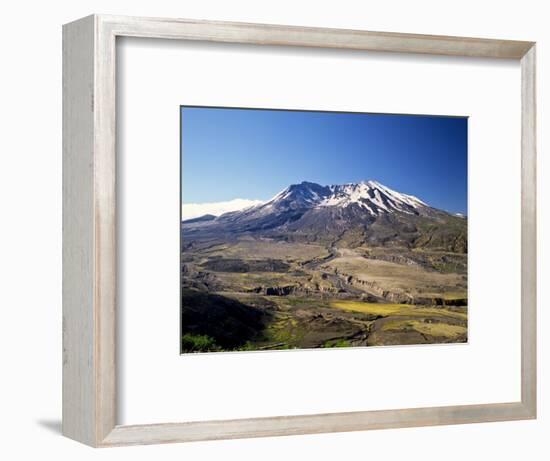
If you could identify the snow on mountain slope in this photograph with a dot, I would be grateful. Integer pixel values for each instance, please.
(366, 212)
(369, 198)
(374, 198)
(305, 194)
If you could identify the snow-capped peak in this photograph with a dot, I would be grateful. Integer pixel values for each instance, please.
(303, 194)
(411, 200)
(370, 196)
(373, 197)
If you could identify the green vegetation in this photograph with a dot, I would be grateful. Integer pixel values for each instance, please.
(370, 308)
(285, 330)
(440, 329)
(337, 343)
(398, 309)
(251, 294)
(451, 296)
(433, 329)
(198, 343)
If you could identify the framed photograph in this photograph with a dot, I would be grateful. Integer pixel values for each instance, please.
(345, 261)
(274, 230)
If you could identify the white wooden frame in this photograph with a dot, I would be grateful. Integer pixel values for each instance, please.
(89, 233)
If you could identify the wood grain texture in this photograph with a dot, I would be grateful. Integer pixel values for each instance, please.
(105, 227)
(529, 232)
(89, 230)
(269, 34)
(79, 381)
(89, 283)
(313, 424)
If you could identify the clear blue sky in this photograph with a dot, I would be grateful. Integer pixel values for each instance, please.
(254, 153)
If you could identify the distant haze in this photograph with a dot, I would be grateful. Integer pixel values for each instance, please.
(194, 210)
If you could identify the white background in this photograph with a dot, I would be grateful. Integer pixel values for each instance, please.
(157, 76)
(30, 248)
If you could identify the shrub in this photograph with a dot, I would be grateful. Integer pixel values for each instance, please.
(198, 343)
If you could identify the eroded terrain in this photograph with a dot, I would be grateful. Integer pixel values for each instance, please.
(256, 293)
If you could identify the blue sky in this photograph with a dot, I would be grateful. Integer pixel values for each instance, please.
(253, 153)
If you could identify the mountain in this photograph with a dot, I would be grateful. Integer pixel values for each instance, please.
(203, 218)
(365, 213)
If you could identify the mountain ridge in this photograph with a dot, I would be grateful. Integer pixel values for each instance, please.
(366, 212)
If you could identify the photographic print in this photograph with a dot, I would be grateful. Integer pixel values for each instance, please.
(316, 229)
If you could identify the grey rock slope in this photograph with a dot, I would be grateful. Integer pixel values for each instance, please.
(365, 213)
